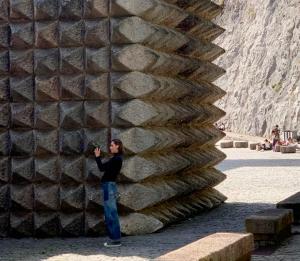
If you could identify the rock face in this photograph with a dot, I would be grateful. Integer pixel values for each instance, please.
(262, 60)
(74, 73)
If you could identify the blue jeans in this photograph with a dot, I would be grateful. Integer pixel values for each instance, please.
(110, 210)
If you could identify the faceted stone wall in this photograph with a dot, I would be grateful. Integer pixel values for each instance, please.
(78, 72)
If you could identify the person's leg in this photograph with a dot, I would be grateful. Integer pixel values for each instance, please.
(111, 212)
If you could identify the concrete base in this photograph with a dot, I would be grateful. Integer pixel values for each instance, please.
(270, 226)
(252, 146)
(277, 148)
(226, 144)
(288, 149)
(241, 144)
(292, 202)
(218, 246)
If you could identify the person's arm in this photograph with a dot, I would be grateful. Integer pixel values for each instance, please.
(103, 166)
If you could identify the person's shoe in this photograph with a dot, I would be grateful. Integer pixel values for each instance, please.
(113, 244)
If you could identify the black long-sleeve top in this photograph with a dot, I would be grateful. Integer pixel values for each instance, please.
(111, 168)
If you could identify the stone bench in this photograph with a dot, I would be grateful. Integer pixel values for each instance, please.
(252, 146)
(288, 149)
(292, 202)
(277, 148)
(241, 144)
(226, 144)
(270, 226)
(215, 247)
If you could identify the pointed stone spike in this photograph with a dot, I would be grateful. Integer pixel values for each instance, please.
(203, 8)
(46, 34)
(46, 115)
(72, 87)
(46, 142)
(21, 35)
(21, 197)
(97, 60)
(46, 61)
(71, 60)
(136, 30)
(96, 114)
(21, 224)
(155, 11)
(71, 113)
(72, 169)
(21, 143)
(21, 115)
(46, 197)
(71, 142)
(138, 168)
(70, 10)
(95, 8)
(136, 57)
(138, 224)
(72, 224)
(21, 62)
(94, 224)
(46, 9)
(21, 89)
(21, 9)
(71, 33)
(96, 33)
(72, 198)
(93, 198)
(96, 87)
(46, 224)
(47, 88)
(22, 170)
(47, 170)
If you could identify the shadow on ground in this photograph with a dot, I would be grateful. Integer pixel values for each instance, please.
(229, 217)
(229, 164)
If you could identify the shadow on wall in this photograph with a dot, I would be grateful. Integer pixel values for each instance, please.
(229, 217)
(233, 164)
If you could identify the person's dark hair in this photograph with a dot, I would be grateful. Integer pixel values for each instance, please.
(120, 144)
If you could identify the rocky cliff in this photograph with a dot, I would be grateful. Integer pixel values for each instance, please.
(262, 59)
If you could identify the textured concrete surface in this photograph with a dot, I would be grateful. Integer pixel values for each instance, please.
(255, 181)
(74, 73)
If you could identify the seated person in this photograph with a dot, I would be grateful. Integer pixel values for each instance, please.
(267, 145)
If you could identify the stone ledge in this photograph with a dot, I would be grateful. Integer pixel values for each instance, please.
(215, 247)
(270, 226)
(226, 144)
(288, 149)
(252, 146)
(241, 144)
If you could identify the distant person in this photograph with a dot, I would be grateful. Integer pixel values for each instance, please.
(275, 136)
(266, 145)
(111, 170)
(222, 127)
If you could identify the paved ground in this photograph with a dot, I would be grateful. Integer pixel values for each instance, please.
(255, 181)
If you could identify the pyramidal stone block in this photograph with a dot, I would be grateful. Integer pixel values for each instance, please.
(78, 73)
(46, 34)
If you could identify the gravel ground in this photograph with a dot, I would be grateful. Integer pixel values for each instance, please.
(255, 181)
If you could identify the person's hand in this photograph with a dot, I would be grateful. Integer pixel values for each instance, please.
(97, 152)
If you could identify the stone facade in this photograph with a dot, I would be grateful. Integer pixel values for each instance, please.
(77, 72)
